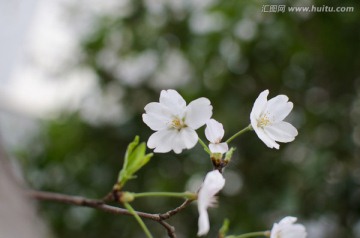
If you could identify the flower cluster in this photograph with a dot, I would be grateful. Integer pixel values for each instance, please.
(175, 124)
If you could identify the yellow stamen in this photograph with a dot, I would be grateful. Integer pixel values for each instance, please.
(263, 121)
(176, 123)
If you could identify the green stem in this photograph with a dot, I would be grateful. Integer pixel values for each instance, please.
(248, 128)
(205, 146)
(252, 234)
(138, 219)
(186, 195)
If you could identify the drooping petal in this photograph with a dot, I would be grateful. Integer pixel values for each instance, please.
(265, 138)
(161, 141)
(214, 131)
(213, 183)
(203, 222)
(198, 112)
(279, 107)
(287, 229)
(259, 104)
(281, 131)
(219, 147)
(173, 101)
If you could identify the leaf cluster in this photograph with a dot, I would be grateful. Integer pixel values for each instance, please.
(135, 159)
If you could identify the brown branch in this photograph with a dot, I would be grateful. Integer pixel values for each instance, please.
(170, 229)
(81, 201)
(171, 213)
(100, 205)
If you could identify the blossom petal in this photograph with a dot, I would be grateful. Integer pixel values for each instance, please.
(288, 220)
(269, 142)
(279, 107)
(259, 104)
(189, 137)
(254, 122)
(170, 139)
(296, 231)
(281, 131)
(198, 112)
(214, 131)
(287, 229)
(203, 222)
(154, 122)
(157, 117)
(162, 141)
(219, 147)
(173, 101)
(157, 108)
(186, 138)
(213, 183)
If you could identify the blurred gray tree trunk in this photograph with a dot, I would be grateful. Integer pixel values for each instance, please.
(18, 217)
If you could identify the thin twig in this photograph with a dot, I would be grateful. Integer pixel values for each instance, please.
(169, 228)
(170, 213)
(100, 205)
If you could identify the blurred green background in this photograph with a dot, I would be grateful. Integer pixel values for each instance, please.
(228, 51)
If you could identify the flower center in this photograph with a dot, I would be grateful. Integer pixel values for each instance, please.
(263, 121)
(278, 234)
(177, 123)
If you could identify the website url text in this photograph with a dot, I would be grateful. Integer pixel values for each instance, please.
(313, 8)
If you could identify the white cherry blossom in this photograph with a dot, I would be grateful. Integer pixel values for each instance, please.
(214, 132)
(213, 183)
(267, 119)
(287, 229)
(175, 123)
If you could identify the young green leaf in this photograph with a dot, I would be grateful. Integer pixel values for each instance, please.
(135, 159)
